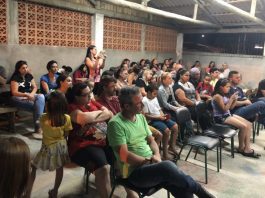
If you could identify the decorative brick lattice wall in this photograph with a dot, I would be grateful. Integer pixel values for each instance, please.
(122, 35)
(42, 25)
(160, 39)
(3, 23)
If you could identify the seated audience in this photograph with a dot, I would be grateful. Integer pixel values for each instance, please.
(244, 107)
(143, 82)
(185, 92)
(160, 121)
(154, 65)
(23, 90)
(261, 90)
(141, 163)
(87, 142)
(167, 101)
(209, 67)
(142, 63)
(107, 95)
(121, 76)
(64, 82)
(214, 72)
(221, 110)
(15, 167)
(133, 76)
(48, 81)
(195, 76)
(204, 89)
(81, 74)
(225, 71)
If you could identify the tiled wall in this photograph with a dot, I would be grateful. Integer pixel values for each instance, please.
(3, 23)
(122, 35)
(42, 25)
(160, 39)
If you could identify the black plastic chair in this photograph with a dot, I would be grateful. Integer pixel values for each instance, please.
(142, 192)
(220, 131)
(205, 143)
(87, 174)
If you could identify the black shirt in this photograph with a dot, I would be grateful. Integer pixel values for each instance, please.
(140, 83)
(24, 85)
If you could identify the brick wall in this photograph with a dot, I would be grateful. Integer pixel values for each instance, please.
(160, 39)
(3, 23)
(43, 25)
(122, 35)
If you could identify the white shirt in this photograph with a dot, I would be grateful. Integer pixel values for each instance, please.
(151, 106)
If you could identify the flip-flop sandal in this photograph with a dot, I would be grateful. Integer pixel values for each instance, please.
(252, 154)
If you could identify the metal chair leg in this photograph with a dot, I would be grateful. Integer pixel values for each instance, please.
(206, 173)
(197, 150)
(253, 131)
(218, 158)
(188, 153)
(220, 143)
(112, 190)
(232, 147)
(258, 128)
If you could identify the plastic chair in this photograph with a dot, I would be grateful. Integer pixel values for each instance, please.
(142, 192)
(205, 143)
(220, 131)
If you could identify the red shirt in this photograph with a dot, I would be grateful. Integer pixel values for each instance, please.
(205, 89)
(82, 136)
(79, 74)
(113, 104)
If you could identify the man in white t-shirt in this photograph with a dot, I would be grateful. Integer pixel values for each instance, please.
(160, 121)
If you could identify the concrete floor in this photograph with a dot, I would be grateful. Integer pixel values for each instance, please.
(240, 177)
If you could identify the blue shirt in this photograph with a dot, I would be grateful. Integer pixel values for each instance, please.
(51, 85)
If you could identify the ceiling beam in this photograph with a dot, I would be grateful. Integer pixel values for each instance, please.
(253, 7)
(154, 11)
(240, 12)
(195, 11)
(223, 31)
(207, 12)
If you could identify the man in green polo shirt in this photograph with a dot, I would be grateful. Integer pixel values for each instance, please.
(138, 154)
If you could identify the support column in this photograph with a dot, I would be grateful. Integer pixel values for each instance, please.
(97, 31)
(179, 49)
(12, 21)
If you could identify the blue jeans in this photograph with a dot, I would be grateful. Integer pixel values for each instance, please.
(250, 111)
(165, 172)
(36, 106)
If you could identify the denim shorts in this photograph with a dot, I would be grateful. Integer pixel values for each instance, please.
(221, 119)
(162, 125)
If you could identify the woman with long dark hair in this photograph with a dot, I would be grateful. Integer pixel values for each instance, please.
(94, 63)
(23, 90)
(222, 104)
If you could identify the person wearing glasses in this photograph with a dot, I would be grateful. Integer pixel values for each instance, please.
(87, 142)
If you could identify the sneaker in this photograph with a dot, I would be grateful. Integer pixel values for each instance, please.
(203, 193)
